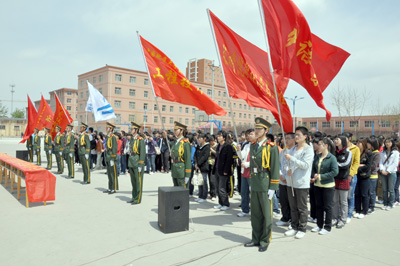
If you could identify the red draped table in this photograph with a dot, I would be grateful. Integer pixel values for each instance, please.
(40, 183)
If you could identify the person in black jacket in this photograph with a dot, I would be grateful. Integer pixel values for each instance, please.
(201, 164)
(223, 169)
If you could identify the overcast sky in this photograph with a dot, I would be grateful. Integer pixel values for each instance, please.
(46, 44)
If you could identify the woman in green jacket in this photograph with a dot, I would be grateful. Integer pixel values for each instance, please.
(324, 169)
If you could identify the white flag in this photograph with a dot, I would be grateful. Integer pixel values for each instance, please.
(98, 105)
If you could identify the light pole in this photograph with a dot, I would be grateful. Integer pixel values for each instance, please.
(145, 117)
(294, 105)
(12, 96)
(212, 66)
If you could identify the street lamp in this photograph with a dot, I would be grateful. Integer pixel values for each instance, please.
(212, 66)
(294, 105)
(145, 117)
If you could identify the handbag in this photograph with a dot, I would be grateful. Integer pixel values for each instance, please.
(197, 179)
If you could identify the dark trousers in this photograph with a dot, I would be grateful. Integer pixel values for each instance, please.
(313, 209)
(158, 162)
(212, 182)
(165, 161)
(323, 204)
(239, 178)
(284, 201)
(123, 163)
(361, 196)
(298, 208)
(396, 187)
(261, 218)
(90, 161)
(222, 181)
(191, 187)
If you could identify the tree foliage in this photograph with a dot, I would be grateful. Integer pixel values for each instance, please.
(18, 113)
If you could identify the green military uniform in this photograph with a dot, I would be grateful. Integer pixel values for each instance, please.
(83, 152)
(30, 148)
(70, 153)
(58, 150)
(264, 176)
(181, 167)
(48, 148)
(137, 152)
(36, 148)
(111, 160)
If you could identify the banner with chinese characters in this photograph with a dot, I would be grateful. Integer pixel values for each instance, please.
(170, 84)
(247, 75)
(297, 53)
(61, 118)
(45, 115)
(31, 115)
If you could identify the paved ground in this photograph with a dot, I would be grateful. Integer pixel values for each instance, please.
(86, 227)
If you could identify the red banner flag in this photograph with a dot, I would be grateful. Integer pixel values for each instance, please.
(247, 75)
(45, 115)
(297, 53)
(61, 118)
(31, 116)
(170, 84)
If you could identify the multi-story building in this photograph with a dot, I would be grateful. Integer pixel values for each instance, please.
(201, 70)
(130, 94)
(68, 98)
(37, 104)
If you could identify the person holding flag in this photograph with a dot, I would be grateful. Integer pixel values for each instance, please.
(58, 149)
(181, 167)
(48, 147)
(70, 150)
(36, 146)
(83, 152)
(29, 147)
(137, 152)
(111, 159)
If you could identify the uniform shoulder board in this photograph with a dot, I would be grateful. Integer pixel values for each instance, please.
(271, 143)
(184, 141)
(139, 138)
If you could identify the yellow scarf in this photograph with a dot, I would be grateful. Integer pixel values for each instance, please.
(83, 140)
(266, 154)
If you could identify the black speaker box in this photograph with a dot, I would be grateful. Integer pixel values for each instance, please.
(23, 155)
(173, 209)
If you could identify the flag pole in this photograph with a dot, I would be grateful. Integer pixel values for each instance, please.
(152, 88)
(271, 70)
(226, 87)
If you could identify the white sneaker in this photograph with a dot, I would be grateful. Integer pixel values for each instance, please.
(300, 235)
(291, 232)
(388, 208)
(151, 173)
(242, 214)
(316, 229)
(360, 216)
(197, 199)
(315, 220)
(310, 220)
(281, 223)
(348, 220)
(218, 206)
(201, 200)
(213, 198)
(224, 208)
(384, 208)
(275, 215)
(324, 232)
(290, 227)
(356, 215)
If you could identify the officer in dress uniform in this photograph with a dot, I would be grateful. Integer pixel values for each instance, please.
(30, 148)
(83, 152)
(48, 147)
(137, 152)
(70, 151)
(36, 146)
(264, 180)
(181, 157)
(111, 159)
(58, 150)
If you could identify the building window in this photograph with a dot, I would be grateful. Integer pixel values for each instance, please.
(180, 109)
(219, 93)
(87, 94)
(234, 105)
(240, 106)
(180, 120)
(193, 110)
(118, 77)
(94, 80)
(81, 94)
(326, 124)
(131, 118)
(2, 127)
(171, 120)
(100, 78)
(145, 118)
(240, 115)
(313, 124)
(16, 127)
(186, 110)
(244, 115)
(171, 109)
(155, 119)
(117, 104)
(132, 79)
(132, 105)
(338, 123)
(69, 108)
(186, 121)
(224, 104)
(146, 94)
(132, 92)
(146, 81)
(69, 100)
(368, 123)
(163, 119)
(209, 93)
(164, 108)
(353, 123)
(224, 94)
(145, 106)
(117, 118)
(81, 83)
(69, 92)
(385, 123)
(155, 107)
(117, 91)
(81, 119)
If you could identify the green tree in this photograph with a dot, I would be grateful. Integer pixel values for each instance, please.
(18, 113)
(3, 110)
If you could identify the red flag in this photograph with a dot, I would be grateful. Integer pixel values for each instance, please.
(31, 115)
(247, 75)
(170, 84)
(61, 118)
(297, 53)
(45, 115)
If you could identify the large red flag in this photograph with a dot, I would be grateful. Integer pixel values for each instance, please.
(61, 118)
(31, 116)
(170, 84)
(45, 115)
(247, 75)
(297, 53)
